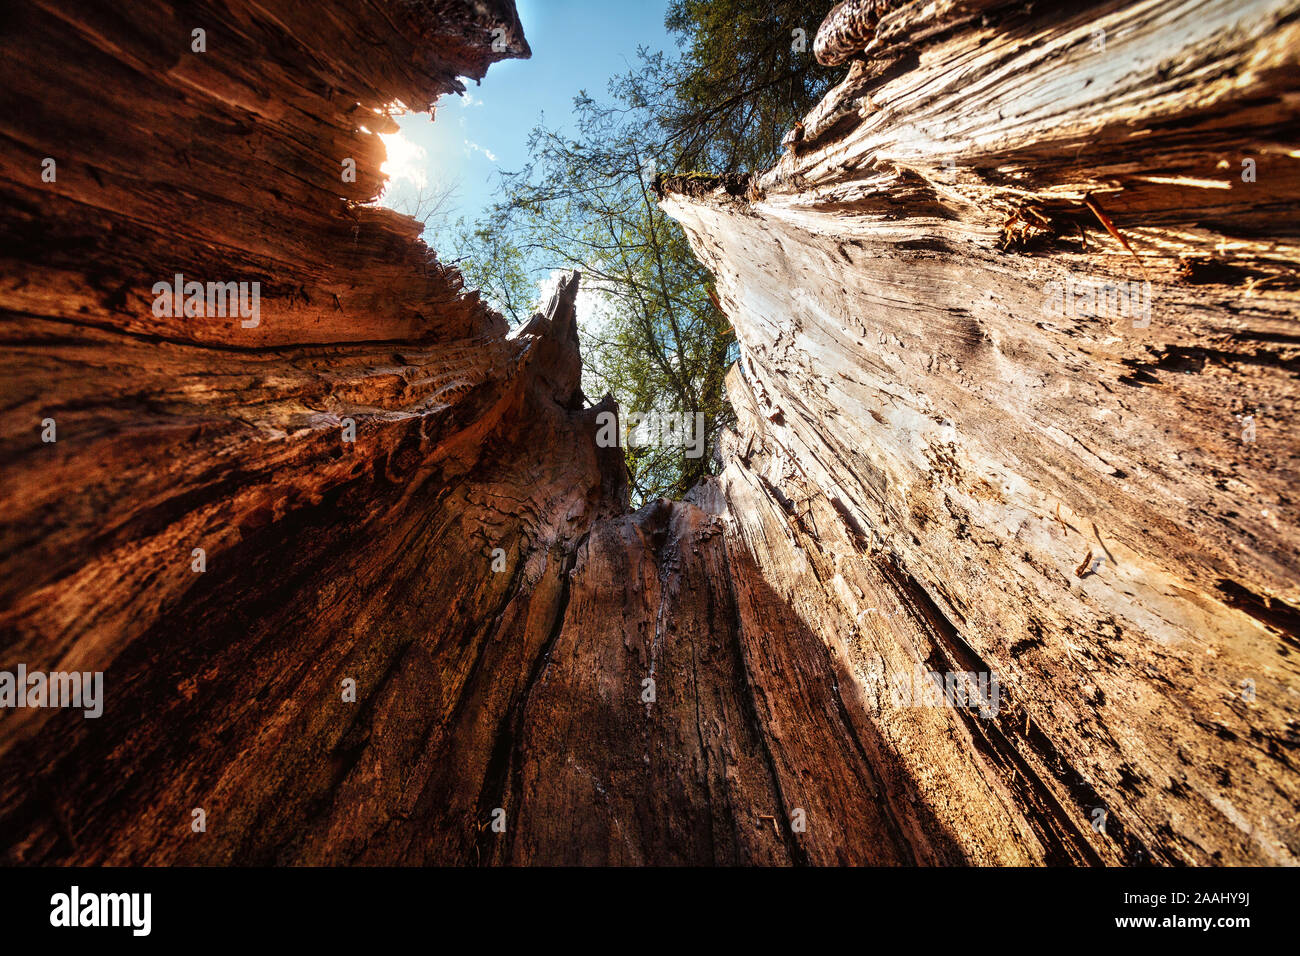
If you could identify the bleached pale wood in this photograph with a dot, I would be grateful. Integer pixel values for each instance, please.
(903, 371)
(909, 421)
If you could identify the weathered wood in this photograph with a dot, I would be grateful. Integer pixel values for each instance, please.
(929, 470)
(908, 380)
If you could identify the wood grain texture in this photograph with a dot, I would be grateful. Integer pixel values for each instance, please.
(908, 379)
(930, 469)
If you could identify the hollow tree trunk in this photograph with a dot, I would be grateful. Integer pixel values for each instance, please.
(909, 420)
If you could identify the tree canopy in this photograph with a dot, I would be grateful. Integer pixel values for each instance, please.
(652, 333)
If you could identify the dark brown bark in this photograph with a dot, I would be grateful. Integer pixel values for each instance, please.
(909, 422)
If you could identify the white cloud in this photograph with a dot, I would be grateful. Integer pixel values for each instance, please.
(472, 147)
(405, 159)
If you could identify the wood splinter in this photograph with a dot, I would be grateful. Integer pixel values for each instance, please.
(1105, 220)
(1085, 567)
(1061, 521)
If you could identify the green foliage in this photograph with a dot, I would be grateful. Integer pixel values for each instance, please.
(739, 85)
(651, 333)
(493, 264)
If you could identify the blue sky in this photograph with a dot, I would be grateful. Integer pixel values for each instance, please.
(577, 45)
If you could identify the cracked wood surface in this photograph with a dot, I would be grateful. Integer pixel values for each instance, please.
(922, 463)
(906, 381)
